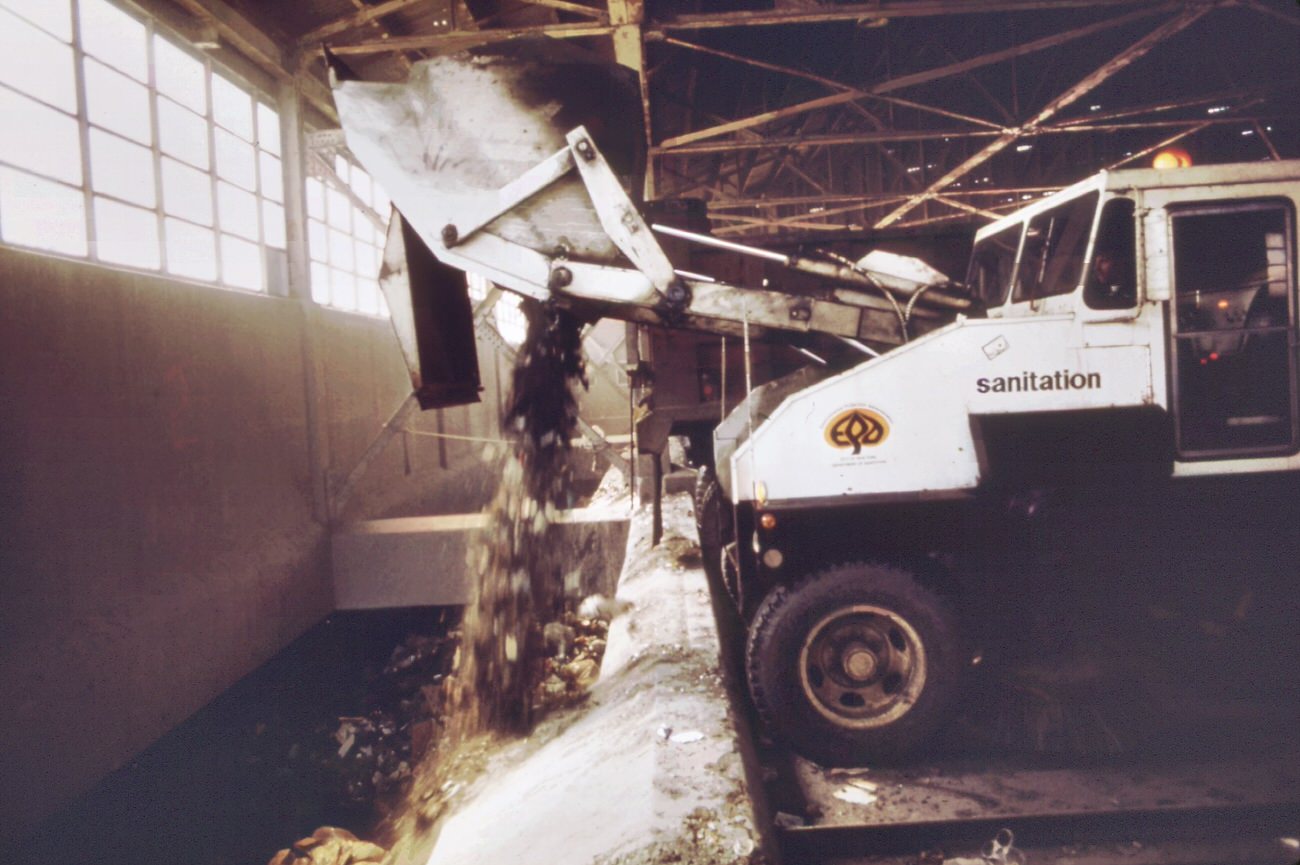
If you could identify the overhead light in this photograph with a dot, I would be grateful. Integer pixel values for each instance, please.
(1094, 107)
(1247, 132)
(1021, 148)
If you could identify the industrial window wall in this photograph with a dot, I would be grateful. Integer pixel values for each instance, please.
(122, 145)
(347, 221)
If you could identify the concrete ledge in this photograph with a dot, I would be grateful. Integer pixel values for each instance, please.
(420, 561)
(651, 770)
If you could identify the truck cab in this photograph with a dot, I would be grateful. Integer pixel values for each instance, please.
(1140, 333)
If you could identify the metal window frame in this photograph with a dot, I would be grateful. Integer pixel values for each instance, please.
(1227, 206)
(257, 97)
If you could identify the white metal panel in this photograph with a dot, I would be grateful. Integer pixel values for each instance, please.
(923, 395)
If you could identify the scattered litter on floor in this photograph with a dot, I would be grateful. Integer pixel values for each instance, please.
(855, 795)
(686, 737)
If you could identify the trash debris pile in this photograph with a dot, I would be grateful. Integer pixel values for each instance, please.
(330, 845)
(373, 754)
(516, 569)
(575, 645)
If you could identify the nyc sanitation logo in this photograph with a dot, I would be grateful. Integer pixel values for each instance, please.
(856, 427)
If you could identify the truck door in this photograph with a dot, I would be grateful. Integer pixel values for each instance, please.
(1233, 327)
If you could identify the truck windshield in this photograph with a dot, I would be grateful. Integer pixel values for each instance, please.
(991, 264)
(1052, 262)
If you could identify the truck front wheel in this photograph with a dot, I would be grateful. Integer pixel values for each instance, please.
(858, 663)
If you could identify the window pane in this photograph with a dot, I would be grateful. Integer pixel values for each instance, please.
(317, 244)
(126, 235)
(114, 37)
(49, 143)
(180, 75)
(368, 296)
(315, 198)
(382, 204)
(41, 213)
(36, 63)
(342, 167)
(182, 133)
(120, 168)
(339, 208)
(340, 250)
(320, 283)
(241, 263)
(273, 224)
(1052, 260)
(343, 290)
(232, 106)
(272, 180)
(238, 211)
(364, 255)
(115, 102)
(191, 250)
(361, 185)
(52, 15)
(235, 160)
(187, 192)
(268, 128)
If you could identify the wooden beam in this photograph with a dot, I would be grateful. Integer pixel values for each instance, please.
(1085, 85)
(879, 9)
(469, 39)
(356, 19)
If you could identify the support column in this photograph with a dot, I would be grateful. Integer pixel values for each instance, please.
(294, 151)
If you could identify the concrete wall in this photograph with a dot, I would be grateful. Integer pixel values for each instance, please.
(157, 539)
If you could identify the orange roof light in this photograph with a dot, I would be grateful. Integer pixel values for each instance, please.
(1172, 157)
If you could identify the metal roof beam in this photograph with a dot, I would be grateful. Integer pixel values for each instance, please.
(249, 40)
(880, 9)
(1072, 94)
(348, 22)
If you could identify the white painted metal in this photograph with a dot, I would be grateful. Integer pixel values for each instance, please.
(1054, 354)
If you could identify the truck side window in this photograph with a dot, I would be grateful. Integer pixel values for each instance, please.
(1112, 274)
(990, 268)
(1055, 243)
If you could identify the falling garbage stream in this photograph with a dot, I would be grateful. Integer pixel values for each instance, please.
(521, 652)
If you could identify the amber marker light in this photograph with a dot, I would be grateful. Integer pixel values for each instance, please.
(767, 521)
(1172, 157)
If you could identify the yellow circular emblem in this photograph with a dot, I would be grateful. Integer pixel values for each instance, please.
(857, 428)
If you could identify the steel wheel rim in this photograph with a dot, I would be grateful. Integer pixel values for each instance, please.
(862, 666)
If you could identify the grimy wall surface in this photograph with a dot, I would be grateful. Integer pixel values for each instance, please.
(157, 538)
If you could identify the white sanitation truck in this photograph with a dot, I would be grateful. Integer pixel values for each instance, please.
(1135, 331)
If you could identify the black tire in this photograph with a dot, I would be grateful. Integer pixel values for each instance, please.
(896, 667)
(711, 522)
